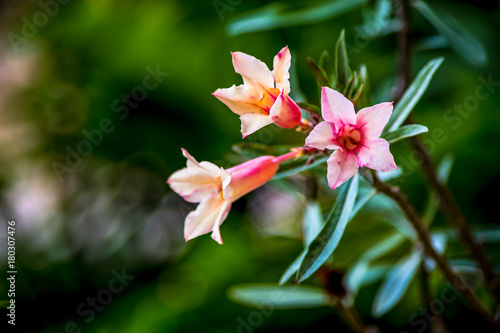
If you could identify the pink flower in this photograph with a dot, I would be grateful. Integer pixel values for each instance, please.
(263, 98)
(355, 137)
(216, 189)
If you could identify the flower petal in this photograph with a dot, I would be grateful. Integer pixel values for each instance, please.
(376, 155)
(281, 66)
(335, 108)
(251, 122)
(341, 166)
(323, 136)
(197, 180)
(256, 76)
(237, 99)
(285, 113)
(208, 216)
(372, 120)
(248, 176)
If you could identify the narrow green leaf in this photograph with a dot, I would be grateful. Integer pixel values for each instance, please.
(376, 17)
(383, 247)
(460, 39)
(355, 277)
(343, 73)
(443, 172)
(430, 43)
(274, 16)
(295, 265)
(395, 284)
(313, 222)
(292, 269)
(389, 175)
(364, 88)
(278, 297)
(300, 169)
(405, 132)
(329, 237)
(326, 62)
(319, 74)
(439, 241)
(309, 107)
(413, 94)
(362, 201)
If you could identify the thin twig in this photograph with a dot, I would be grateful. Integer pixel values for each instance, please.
(352, 318)
(420, 227)
(448, 203)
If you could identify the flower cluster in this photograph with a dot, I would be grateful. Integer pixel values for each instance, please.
(264, 99)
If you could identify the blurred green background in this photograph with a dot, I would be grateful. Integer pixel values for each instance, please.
(77, 227)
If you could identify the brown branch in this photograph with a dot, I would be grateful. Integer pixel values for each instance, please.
(455, 217)
(404, 49)
(352, 318)
(448, 204)
(424, 236)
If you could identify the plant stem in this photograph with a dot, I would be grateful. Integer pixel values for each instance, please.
(455, 217)
(424, 236)
(447, 202)
(404, 49)
(352, 318)
(438, 324)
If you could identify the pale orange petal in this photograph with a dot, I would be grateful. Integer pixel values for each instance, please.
(208, 216)
(281, 66)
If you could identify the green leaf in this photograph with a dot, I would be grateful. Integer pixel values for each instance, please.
(356, 276)
(274, 16)
(329, 237)
(430, 43)
(343, 73)
(319, 74)
(362, 91)
(313, 222)
(413, 94)
(460, 39)
(443, 172)
(326, 62)
(405, 132)
(376, 17)
(309, 107)
(395, 284)
(362, 201)
(291, 270)
(389, 175)
(295, 265)
(300, 169)
(278, 297)
(383, 247)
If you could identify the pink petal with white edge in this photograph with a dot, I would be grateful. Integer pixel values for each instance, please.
(237, 99)
(323, 136)
(208, 216)
(256, 76)
(197, 180)
(376, 155)
(284, 112)
(341, 167)
(252, 122)
(372, 120)
(335, 108)
(281, 66)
